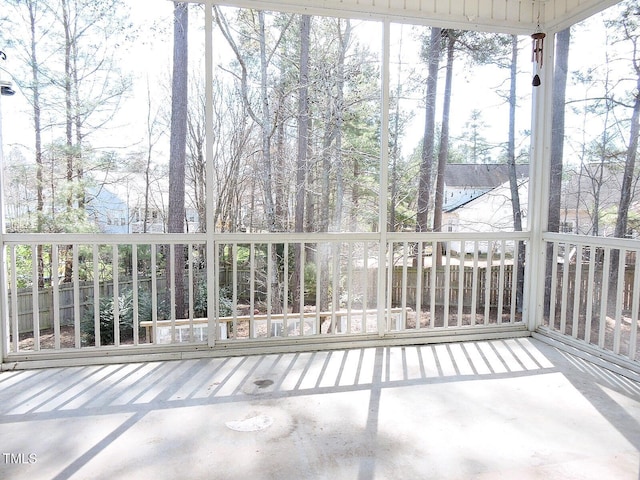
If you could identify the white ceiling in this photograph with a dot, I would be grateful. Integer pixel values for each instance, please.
(508, 16)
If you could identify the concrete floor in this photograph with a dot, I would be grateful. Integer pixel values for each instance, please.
(502, 409)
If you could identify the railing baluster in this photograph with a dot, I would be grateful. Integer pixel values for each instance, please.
(617, 331)
(387, 314)
(419, 277)
(474, 285)
(319, 263)
(154, 292)
(36, 294)
(461, 256)
(514, 281)
(635, 306)
(96, 295)
(35, 299)
(55, 284)
(403, 304)
(589, 308)
(76, 299)
(270, 277)
(577, 292)
(487, 284)
(433, 272)
(285, 288)
(301, 285)
(134, 286)
(501, 283)
(172, 289)
(252, 294)
(447, 282)
(565, 288)
(604, 297)
(365, 285)
(234, 293)
(14, 299)
(554, 285)
(190, 291)
(349, 285)
(335, 285)
(116, 295)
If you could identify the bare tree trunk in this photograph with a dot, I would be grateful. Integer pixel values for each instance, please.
(35, 77)
(69, 154)
(629, 168)
(303, 147)
(147, 170)
(428, 144)
(443, 152)
(178, 146)
(396, 151)
(267, 179)
(627, 183)
(563, 40)
(345, 40)
(513, 175)
(265, 121)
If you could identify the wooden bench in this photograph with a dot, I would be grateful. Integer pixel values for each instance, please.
(277, 322)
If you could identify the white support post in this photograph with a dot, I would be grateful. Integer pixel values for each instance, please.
(384, 180)
(212, 273)
(533, 308)
(4, 296)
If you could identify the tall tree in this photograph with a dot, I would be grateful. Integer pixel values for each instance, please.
(32, 17)
(563, 41)
(428, 141)
(178, 144)
(513, 174)
(302, 149)
(630, 21)
(450, 38)
(265, 127)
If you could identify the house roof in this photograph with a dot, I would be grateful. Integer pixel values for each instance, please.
(481, 176)
(502, 190)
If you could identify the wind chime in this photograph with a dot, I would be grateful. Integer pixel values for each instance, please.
(537, 55)
(537, 52)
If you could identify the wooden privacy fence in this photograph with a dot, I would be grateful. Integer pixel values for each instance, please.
(244, 285)
(66, 301)
(593, 290)
(453, 287)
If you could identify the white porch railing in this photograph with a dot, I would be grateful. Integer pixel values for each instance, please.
(106, 294)
(592, 292)
(117, 293)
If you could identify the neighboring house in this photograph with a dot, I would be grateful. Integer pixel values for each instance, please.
(465, 181)
(488, 212)
(119, 205)
(110, 213)
(491, 210)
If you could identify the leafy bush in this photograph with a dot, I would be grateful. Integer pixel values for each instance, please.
(310, 272)
(225, 304)
(125, 311)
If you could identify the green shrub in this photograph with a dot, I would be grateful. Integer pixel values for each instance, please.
(225, 304)
(125, 313)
